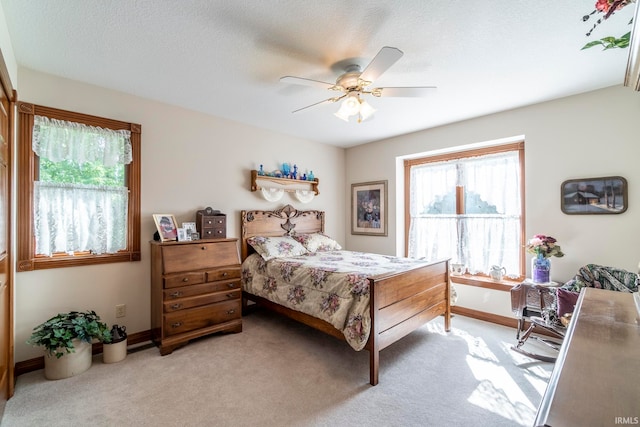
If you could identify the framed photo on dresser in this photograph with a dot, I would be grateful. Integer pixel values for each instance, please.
(167, 227)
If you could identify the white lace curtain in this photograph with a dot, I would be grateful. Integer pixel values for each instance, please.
(478, 240)
(74, 217)
(59, 140)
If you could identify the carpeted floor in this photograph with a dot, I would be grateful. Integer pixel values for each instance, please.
(280, 373)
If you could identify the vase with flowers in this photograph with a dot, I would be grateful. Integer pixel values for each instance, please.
(543, 247)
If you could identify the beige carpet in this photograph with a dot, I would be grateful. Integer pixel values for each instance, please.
(280, 373)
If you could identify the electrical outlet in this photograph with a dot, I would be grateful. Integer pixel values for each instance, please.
(121, 310)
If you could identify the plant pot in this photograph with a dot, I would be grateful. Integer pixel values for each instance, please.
(113, 353)
(70, 364)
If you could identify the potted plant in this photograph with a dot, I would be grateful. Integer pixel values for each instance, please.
(66, 339)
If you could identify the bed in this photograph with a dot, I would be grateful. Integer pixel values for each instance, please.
(397, 302)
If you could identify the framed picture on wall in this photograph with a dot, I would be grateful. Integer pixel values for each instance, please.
(167, 227)
(369, 208)
(594, 196)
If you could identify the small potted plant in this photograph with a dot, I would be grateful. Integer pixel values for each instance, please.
(66, 339)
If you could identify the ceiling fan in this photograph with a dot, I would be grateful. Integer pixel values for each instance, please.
(355, 82)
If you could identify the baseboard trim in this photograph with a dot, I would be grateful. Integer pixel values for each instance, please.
(31, 365)
(487, 317)
(495, 318)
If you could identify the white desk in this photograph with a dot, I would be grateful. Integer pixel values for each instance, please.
(596, 379)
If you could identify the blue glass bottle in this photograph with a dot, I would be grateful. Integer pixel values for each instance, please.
(310, 177)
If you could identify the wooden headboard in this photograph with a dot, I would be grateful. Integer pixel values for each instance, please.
(279, 222)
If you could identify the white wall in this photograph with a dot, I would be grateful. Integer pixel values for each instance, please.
(7, 50)
(590, 135)
(189, 161)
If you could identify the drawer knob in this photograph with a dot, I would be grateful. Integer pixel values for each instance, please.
(176, 324)
(231, 285)
(176, 294)
(220, 221)
(209, 222)
(231, 311)
(176, 306)
(186, 279)
(229, 295)
(225, 274)
(204, 248)
(209, 232)
(219, 231)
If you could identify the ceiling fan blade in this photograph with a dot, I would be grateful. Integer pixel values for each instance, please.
(381, 63)
(334, 99)
(407, 92)
(306, 82)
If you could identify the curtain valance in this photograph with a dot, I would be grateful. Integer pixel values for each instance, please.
(60, 140)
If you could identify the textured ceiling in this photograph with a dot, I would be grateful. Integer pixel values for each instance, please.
(225, 58)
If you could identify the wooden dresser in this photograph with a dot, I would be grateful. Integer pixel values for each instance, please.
(195, 290)
(595, 379)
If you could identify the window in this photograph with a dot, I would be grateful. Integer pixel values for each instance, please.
(78, 189)
(468, 206)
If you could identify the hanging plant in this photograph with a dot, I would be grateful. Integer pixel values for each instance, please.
(606, 8)
(610, 42)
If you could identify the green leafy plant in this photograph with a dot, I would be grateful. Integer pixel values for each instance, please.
(56, 335)
(608, 8)
(610, 42)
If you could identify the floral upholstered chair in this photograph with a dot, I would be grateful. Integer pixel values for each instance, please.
(548, 309)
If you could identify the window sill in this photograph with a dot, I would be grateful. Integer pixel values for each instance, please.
(486, 282)
(71, 261)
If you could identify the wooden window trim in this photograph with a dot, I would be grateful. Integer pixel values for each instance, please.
(26, 257)
(480, 280)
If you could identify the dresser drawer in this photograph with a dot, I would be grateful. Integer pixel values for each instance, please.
(213, 233)
(201, 255)
(184, 279)
(199, 300)
(201, 317)
(213, 221)
(223, 274)
(205, 288)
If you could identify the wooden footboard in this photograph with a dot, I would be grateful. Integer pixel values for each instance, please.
(403, 302)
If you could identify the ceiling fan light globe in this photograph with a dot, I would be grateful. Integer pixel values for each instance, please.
(351, 105)
(342, 115)
(366, 110)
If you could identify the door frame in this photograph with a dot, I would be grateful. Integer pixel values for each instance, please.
(5, 85)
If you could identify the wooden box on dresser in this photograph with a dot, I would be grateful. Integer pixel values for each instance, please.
(195, 290)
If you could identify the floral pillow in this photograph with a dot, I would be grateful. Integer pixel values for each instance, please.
(276, 247)
(317, 242)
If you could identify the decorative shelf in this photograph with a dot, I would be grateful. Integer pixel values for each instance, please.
(259, 182)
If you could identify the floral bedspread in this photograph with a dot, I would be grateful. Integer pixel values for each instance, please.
(332, 286)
